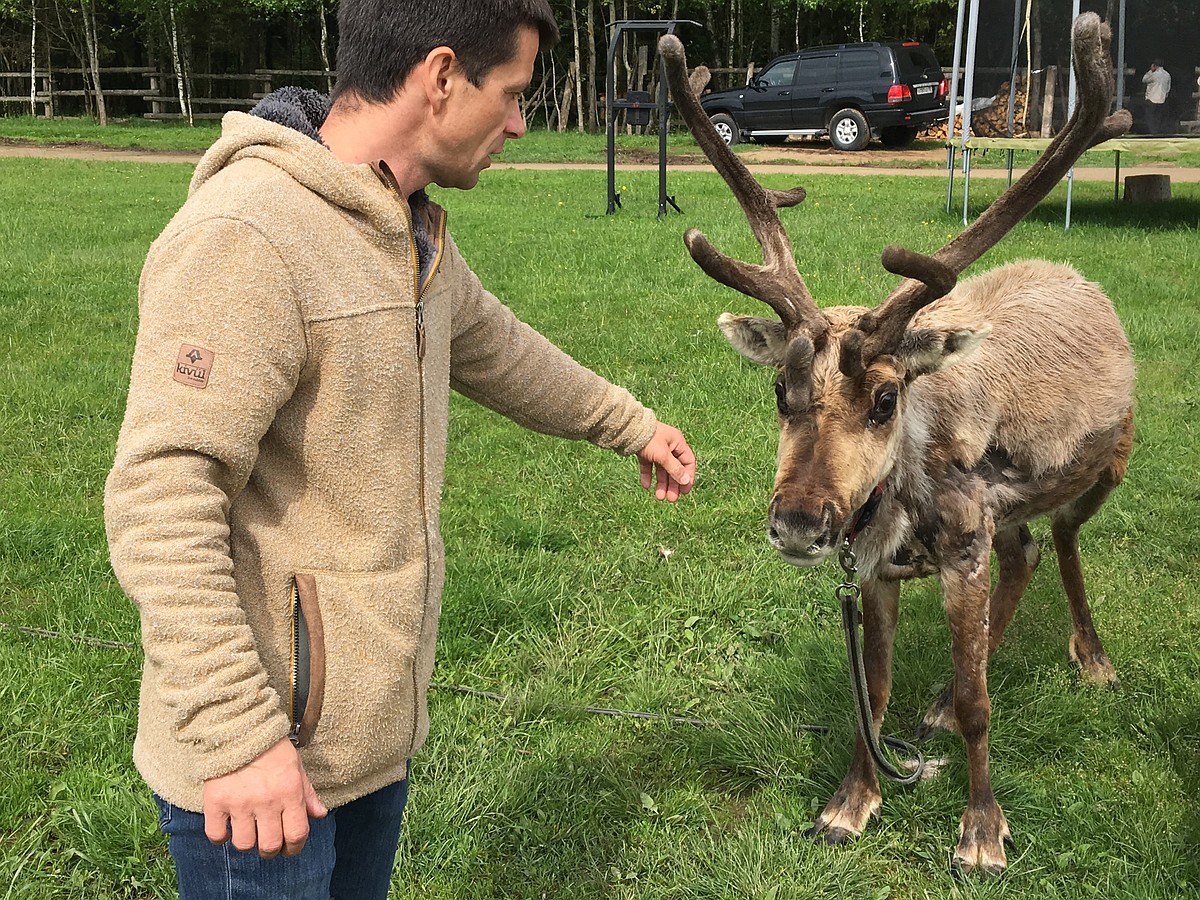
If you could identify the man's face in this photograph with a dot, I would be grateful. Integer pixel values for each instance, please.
(478, 120)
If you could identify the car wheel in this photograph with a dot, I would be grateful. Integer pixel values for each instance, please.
(848, 130)
(897, 137)
(726, 128)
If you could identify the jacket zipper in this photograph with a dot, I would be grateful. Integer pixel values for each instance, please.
(419, 287)
(296, 714)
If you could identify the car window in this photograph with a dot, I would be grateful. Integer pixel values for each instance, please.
(916, 60)
(860, 65)
(779, 74)
(817, 69)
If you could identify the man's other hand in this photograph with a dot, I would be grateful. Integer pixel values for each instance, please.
(267, 802)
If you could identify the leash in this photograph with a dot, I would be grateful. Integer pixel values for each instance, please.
(848, 595)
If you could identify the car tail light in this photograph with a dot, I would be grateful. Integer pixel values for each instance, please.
(943, 89)
(899, 93)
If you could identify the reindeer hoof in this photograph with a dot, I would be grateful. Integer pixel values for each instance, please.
(980, 852)
(833, 837)
(847, 813)
(1094, 665)
(961, 871)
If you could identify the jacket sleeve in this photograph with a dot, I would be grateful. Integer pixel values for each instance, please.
(184, 453)
(501, 362)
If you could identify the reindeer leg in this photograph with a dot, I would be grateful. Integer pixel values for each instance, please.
(1018, 556)
(1085, 649)
(965, 583)
(858, 798)
(1065, 522)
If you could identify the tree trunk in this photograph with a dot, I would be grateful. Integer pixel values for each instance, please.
(593, 118)
(185, 106)
(325, 47)
(1147, 188)
(33, 62)
(576, 70)
(775, 22)
(88, 11)
(1048, 101)
(732, 33)
(570, 86)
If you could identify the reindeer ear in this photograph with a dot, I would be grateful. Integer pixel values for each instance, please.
(923, 351)
(762, 341)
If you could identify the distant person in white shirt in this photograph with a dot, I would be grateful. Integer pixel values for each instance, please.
(1158, 86)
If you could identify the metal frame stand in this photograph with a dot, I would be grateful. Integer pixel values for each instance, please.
(612, 104)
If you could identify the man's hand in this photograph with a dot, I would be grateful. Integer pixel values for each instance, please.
(268, 802)
(667, 463)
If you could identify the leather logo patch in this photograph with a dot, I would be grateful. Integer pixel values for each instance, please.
(193, 365)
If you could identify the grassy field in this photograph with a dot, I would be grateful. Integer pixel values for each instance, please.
(540, 146)
(560, 593)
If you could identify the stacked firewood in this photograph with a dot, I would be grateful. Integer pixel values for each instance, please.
(991, 121)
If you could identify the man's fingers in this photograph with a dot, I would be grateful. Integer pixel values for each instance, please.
(647, 472)
(245, 832)
(295, 830)
(270, 837)
(312, 803)
(216, 826)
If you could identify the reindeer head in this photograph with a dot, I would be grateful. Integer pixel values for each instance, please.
(843, 372)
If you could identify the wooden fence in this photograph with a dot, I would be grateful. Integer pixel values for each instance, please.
(212, 94)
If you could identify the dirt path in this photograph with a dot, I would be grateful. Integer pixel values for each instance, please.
(775, 160)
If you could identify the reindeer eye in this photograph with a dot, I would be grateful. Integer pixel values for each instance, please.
(781, 395)
(884, 408)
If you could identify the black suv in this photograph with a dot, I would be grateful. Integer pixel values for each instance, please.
(848, 91)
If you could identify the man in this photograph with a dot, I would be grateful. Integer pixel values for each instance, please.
(1158, 86)
(273, 506)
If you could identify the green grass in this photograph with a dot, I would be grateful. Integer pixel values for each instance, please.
(559, 595)
(537, 146)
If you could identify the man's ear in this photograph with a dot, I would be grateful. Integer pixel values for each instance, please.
(437, 71)
(762, 341)
(924, 351)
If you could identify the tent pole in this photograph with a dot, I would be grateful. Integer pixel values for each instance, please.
(968, 96)
(1071, 112)
(950, 122)
(1121, 57)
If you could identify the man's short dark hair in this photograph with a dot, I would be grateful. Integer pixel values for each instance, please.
(381, 41)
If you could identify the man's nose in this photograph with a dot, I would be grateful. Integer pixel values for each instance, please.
(515, 127)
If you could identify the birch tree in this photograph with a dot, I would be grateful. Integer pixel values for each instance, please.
(87, 11)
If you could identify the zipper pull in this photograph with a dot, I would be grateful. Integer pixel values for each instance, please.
(420, 329)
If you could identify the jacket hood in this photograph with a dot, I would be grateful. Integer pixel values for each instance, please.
(283, 130)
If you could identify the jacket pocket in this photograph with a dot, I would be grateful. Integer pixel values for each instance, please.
(308, 660)
(362, 633)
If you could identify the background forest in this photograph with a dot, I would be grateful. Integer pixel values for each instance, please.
(185, 58)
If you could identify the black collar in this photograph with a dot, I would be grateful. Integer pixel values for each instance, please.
(866, 514)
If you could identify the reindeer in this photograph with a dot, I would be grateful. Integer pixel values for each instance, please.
(959, 412)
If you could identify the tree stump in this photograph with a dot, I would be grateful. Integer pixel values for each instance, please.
(1147, 188)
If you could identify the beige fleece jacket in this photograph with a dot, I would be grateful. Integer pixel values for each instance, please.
(283, 450)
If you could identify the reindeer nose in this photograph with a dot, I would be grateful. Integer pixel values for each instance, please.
(799, 531)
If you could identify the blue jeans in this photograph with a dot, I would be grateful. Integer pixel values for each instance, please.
(348, 855)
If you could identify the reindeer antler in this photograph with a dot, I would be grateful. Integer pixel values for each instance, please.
(929, 277)
(777, 282)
